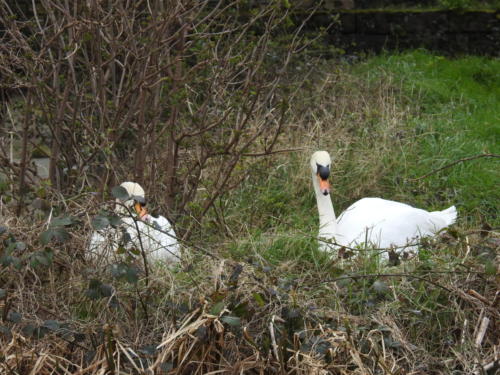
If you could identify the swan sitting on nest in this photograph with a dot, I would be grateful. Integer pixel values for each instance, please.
(155, 234)
(374, 222)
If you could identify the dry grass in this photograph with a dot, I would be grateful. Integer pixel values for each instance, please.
(275, 305)
(215, 316)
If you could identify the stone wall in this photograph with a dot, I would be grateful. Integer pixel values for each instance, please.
(452, 32)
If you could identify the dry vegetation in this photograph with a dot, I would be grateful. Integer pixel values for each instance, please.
(252, 293)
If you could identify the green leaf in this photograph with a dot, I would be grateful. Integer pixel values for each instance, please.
(7, 260)
(92, 294)
(148, 350)
(217, 308)
(100, 222)
(490, 268)
(125, 272)
(233, 321)
(43, 258)
(94, 290)
(3, 229)
(94, 284)
(5, 331)
(14, 317)
(241, 310)
(28, 330)
(20, 246)
(61, 235)
(106, 290)
(259, 299)
(61, 221)
(46, 237)
(120, 193)
(166, 366)
(53, 325)
(115, 220)
(121, 250)
(135, 251)
(118, 270)
(132, 275)
(3, 293)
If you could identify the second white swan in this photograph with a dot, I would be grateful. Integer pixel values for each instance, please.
(373, 222)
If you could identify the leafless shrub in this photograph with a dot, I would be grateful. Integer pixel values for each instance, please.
(170, 94)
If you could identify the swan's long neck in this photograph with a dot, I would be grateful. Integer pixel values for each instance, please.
(327, 219)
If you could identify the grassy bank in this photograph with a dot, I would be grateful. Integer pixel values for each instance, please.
(392, 123)
(253, 293)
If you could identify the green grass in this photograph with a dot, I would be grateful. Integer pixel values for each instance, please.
(455, 115)
(428, 111)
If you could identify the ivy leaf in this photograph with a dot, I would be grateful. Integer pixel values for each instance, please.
(120, 193)
(62, 221)
(3, 229)
(14, 317)
(92, 293)
(166, 366)
(20, 246)
(490, 268)
(233, 321)
(59, 234)
(118, 270)
(43, 258)
(5, 331)
(98, 290)
(53, 325)
(148, 350)
(28, 330)
(46, 236)
(217, 308)
(100, 222)
(106, 290)
(7, 260)
(132, 275)
(3, 293)
(125, 272)
(115, 220)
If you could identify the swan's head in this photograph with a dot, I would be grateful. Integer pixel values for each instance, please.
(137, 199)
(320, 166)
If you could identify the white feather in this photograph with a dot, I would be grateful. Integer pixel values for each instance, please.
(156, 235)
(375, 222)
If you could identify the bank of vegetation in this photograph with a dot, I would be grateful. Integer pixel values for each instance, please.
(217, 120)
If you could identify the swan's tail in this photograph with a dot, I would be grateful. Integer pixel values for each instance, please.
(445, 217)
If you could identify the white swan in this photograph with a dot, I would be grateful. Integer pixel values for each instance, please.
(156, 234)
(375, 222)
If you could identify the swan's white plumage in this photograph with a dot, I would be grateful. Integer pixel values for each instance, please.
(156, 233)
(375, 222)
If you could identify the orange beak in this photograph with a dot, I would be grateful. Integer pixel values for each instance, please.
(140, 210)
(324, 186)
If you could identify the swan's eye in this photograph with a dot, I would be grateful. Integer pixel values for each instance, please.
(139, 199)
(323, 172)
